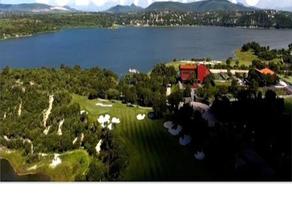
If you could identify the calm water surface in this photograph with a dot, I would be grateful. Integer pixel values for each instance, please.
(126, 48)
(7, 174)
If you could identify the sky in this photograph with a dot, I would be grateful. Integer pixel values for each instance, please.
(104, 4)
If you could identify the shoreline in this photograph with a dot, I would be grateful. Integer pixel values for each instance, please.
(17, 171)
(21, 168)
(22, 173)
(118, 26)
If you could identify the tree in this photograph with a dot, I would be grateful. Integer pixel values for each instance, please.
(254, 85)
(174, 99)
(290, 47)
(112, 93)
(237, 63)
(234, 87)
(159, 104)
(258, 64)
(130, 94)
(96, 171)
(228, 61)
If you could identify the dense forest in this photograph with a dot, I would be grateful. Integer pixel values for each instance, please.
(26, 124)
(19, 25)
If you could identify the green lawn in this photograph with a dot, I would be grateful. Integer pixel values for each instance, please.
(244, 58)
(74, 163)
(153, 153)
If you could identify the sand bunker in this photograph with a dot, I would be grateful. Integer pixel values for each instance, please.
(103, 100)
(4, 116)
(20, 109)
(32, 168)
(208, 116)
(104, 120)
(104, 105)
(82, 137)
(176, 131)
(60, 127)
(116, 120)
(171, 128)
(29, 142)
(168, 91)
(200, 155)
(141, 117)
(46, 131)
(83, 112)
(19, 82)
(75, 140)
(6, 138)
(200, 106)
(56, 161)
(168, 124)
(47, 112)
(185, 140)
(110, 126)
(98, 146)
(180, 105)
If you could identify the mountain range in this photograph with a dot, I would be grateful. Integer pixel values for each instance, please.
(198, 6)
(125, 9)
(34, 7)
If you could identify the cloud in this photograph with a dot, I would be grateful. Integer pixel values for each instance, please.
(252, 2)
(43, 1)
(62, 2)
(82, 2)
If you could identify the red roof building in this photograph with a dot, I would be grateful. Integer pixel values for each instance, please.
(191, 71)
(266, 71)
(202, 73)
(187, 72)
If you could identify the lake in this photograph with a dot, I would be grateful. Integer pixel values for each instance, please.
(140, 48)
(8, 174)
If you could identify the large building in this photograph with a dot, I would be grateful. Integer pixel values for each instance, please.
(190, 72)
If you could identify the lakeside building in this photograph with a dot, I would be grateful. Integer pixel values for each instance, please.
(189, 72)
(266, 71)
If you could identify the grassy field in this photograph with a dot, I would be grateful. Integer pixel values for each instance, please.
(73, 164)
(153, 153)
(244, 58)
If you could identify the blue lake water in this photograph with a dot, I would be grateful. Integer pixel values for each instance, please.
(139, 48)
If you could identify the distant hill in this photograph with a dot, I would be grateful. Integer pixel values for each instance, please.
(289, 9)
(199, 6)
(34, 7)
(125, 9)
